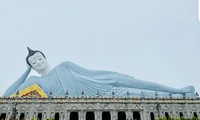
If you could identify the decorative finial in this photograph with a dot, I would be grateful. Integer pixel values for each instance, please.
(142, 94)
(184, 95)
(30, 51)
(170, 95)
(156, 95)
(50, 94)
(66, 94)
(127, 93)
(17, 94)
(113, 93)
(197, 95)
(82, 93)
(98, 93)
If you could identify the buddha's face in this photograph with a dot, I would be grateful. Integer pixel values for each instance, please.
(38, 62)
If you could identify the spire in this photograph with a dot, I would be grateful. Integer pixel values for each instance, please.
(30, 52)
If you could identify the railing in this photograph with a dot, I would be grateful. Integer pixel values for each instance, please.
(83, 99)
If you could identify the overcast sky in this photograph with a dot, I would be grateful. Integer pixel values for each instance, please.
(155, 40)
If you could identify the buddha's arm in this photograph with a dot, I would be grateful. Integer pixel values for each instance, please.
(16, 84)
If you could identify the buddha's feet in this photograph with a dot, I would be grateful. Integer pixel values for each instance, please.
(188, 89)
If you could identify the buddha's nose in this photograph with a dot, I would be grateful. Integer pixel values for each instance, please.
(38, 63)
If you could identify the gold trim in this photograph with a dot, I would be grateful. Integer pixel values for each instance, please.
(32, 88)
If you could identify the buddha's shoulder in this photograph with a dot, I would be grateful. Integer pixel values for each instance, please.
(66, 64)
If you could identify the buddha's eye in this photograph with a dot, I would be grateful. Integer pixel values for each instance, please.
(40, 58)
(34, 62)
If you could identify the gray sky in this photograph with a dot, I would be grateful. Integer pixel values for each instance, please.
(155, 40)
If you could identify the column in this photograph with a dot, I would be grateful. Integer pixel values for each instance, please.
(113, 115)
(27, 116)
(143, 114)
(68, 115)
(80, 115)
(128, 115)
(62, 116)
(97, 115)
(44, 116)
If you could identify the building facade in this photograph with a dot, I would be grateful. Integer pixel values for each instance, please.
(98, 108)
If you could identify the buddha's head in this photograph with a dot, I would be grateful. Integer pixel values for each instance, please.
(37, 61)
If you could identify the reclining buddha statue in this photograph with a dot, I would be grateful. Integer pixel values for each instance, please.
(72, 79)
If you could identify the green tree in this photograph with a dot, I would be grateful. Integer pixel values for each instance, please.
(194, 118)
